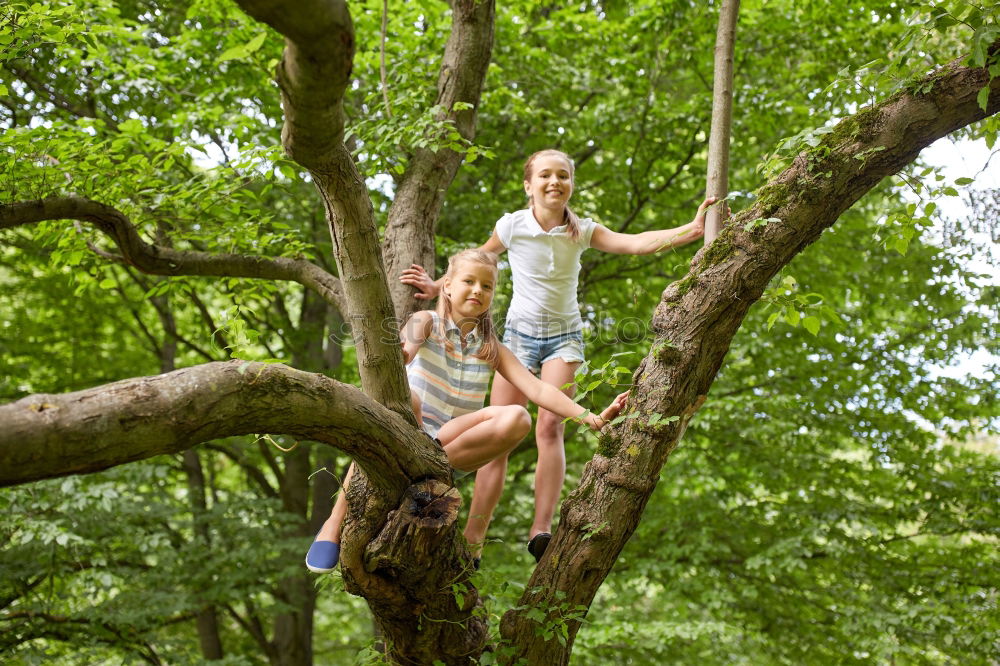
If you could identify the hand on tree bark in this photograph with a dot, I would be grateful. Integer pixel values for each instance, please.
(597, 422)
(416, 276)
(698, 223)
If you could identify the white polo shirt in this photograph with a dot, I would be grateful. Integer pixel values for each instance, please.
(546, 268)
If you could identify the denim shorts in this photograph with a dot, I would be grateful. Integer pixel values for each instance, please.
(533, 352)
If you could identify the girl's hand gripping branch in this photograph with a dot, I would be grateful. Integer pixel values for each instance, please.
(416, 276)
(598, 421)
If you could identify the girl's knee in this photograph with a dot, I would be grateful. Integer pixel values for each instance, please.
(518, 420)
(549, 425)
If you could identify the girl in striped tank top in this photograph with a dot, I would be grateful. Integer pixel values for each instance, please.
(451, 354)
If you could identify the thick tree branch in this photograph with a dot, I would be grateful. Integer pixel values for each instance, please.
(45, 436)
(699, 315)
(160, 260)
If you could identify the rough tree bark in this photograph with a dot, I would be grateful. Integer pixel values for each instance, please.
(697, 318)
(722, 116)
(46, 436)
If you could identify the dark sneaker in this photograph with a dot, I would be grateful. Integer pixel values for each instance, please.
(538, 544)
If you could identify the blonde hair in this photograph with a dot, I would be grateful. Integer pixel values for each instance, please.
(490, 351)
(569, 217)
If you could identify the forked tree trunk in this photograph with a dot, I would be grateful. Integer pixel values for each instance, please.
(393, 533)
(416, 206)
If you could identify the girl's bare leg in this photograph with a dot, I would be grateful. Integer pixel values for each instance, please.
(551, 470)
(331, 528)
(474, 440)
(491, 476)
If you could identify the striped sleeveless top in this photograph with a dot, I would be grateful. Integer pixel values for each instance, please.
(448, 383)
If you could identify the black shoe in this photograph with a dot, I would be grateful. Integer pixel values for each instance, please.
(538, 544)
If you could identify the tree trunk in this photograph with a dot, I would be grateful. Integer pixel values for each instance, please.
(416, 207)
(207, 621)
(293, 628)
(722, 117)
(313, 76)
(420, 549)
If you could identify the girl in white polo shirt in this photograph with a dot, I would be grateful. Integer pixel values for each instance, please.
(543, 328)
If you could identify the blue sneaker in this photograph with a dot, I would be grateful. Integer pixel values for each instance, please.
(322, 556)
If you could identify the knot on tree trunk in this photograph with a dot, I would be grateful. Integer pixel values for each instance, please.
(419, 535)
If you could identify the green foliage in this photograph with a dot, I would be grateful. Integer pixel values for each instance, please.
(796, 308)
(824, 506)
(553, 622)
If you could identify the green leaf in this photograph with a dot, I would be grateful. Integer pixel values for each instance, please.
(131, 126)
(255, 43)
(983, 97)
(961, 181)
(812, 324)
(944, 23)
(107, 283)
(901, 244)
(535, 614)
(242, 50)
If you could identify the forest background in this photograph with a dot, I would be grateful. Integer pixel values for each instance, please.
(834, 501)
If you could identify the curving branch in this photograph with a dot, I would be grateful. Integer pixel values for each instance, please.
(313, 74)
(45, 436)
(161, 260)
(699, 315)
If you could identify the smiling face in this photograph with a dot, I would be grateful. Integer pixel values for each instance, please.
(549, 181)
(469, 288)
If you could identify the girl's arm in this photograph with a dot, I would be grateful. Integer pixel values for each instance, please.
(427, 289)
(551, 398)
(414, 332)
(648, 242)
